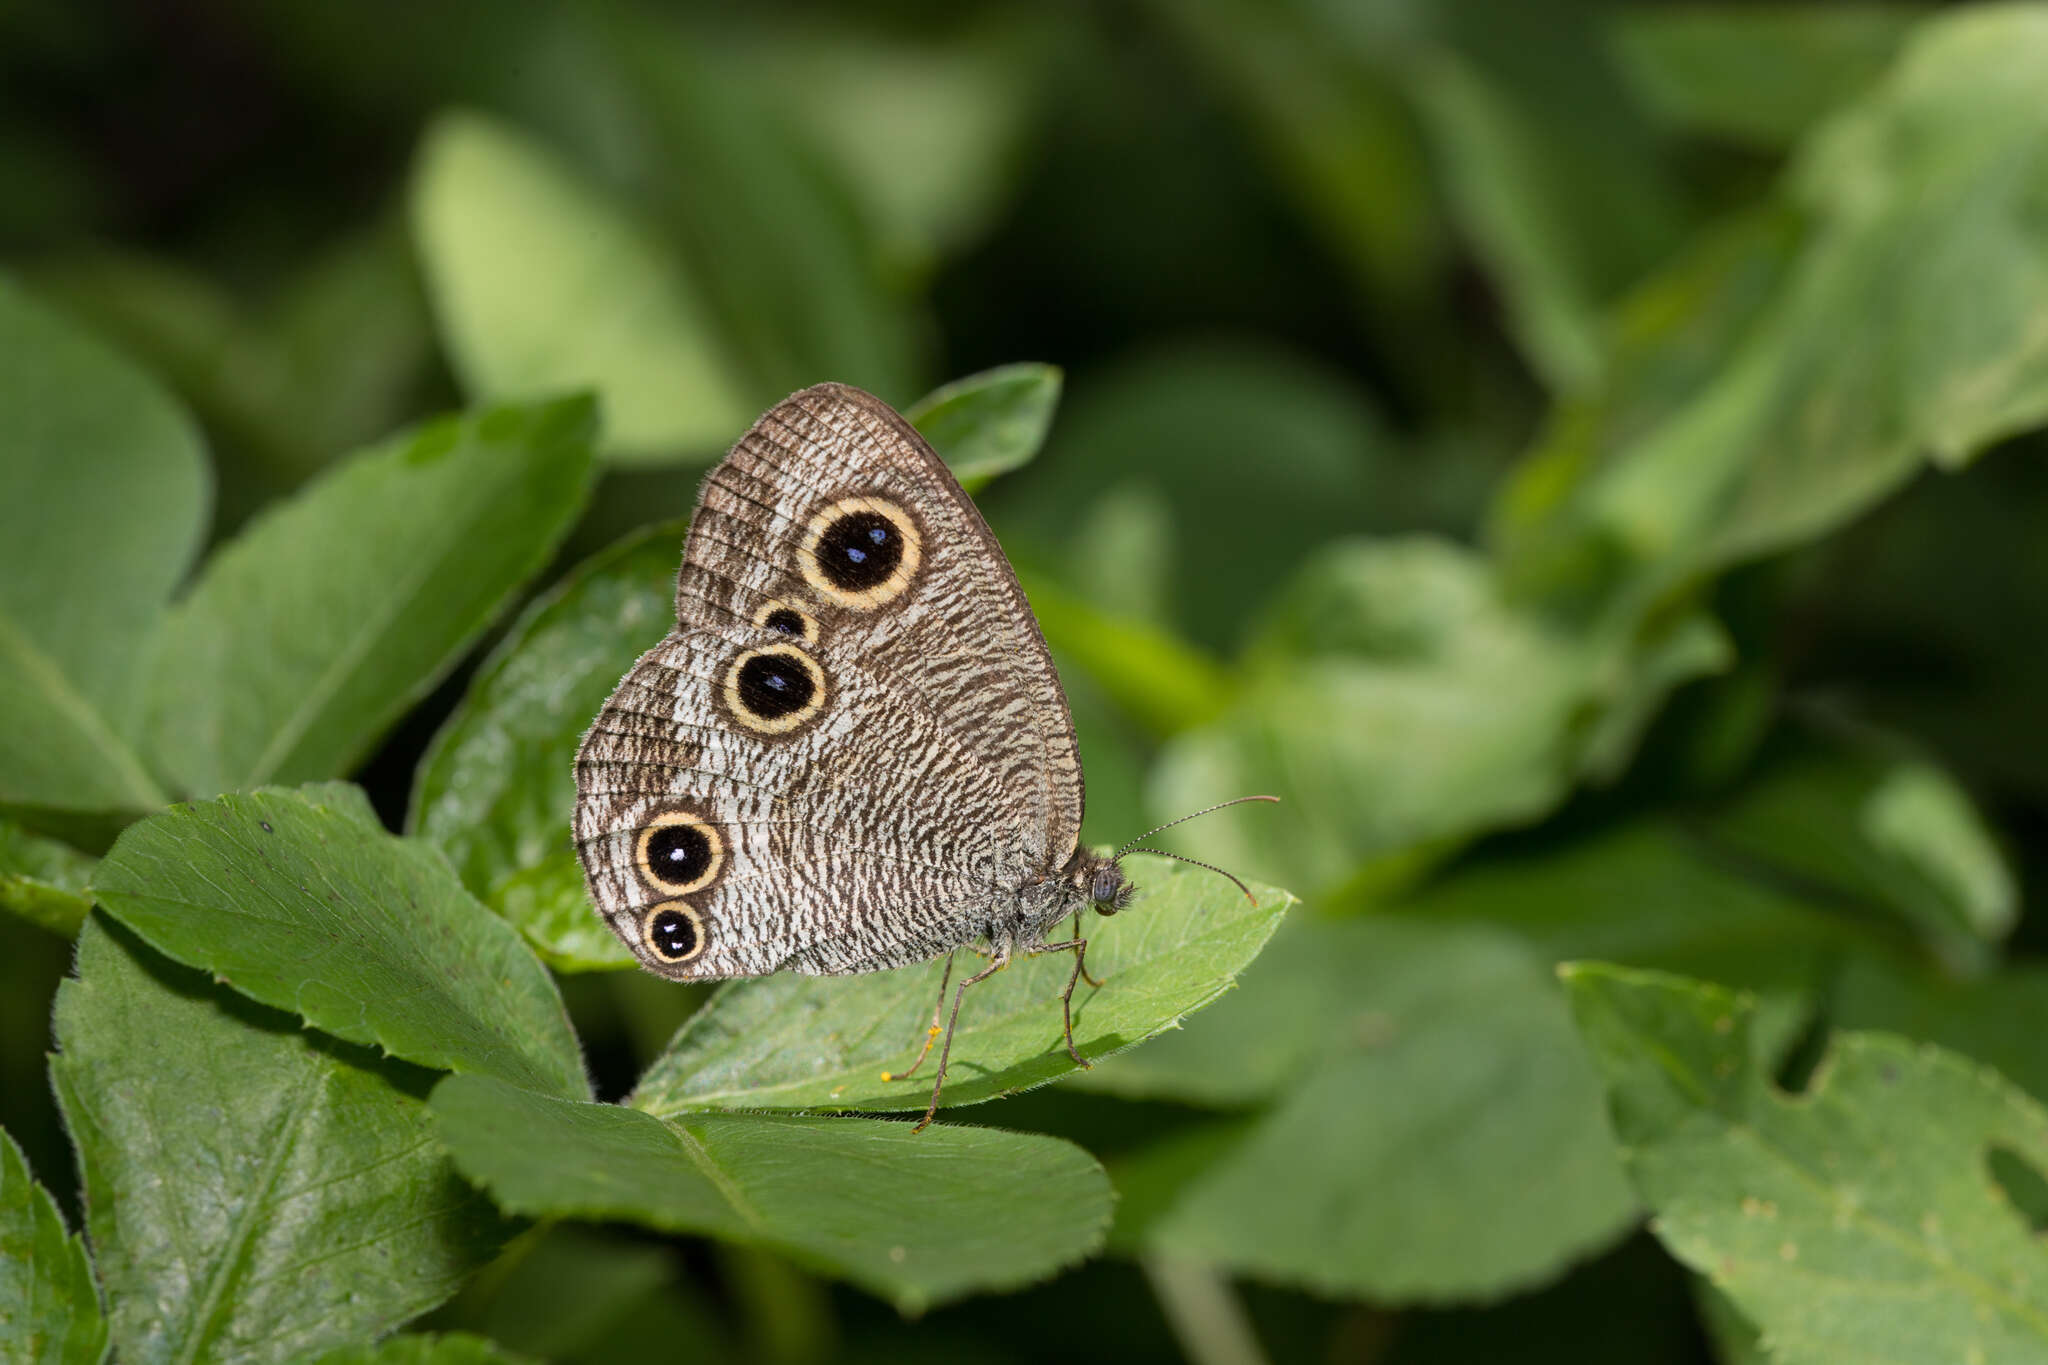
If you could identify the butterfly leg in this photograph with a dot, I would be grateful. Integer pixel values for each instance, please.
(931, 1033)
(1078, 946)
(1093, 984)
(1002, 960)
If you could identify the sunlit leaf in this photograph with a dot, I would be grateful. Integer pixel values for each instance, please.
(989, 423)
(300, 900)
(544, 284)
(254, 1191)
(334, 611)
(793, 1042)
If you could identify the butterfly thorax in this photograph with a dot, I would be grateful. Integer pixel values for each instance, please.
(1088, 881)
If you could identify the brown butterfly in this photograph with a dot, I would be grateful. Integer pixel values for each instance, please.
(852, 752)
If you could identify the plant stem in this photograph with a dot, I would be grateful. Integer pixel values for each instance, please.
(1204, 1312)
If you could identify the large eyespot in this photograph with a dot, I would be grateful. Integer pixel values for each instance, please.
(774, 689)
(794, 622)
(673, 931)
(861, 552)
(679, 853)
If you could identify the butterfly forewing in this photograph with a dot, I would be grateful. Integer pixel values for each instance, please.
(853, 745)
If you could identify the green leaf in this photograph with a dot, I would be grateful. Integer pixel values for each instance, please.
(43, 880)
(1756, 74)
(776, 241)
(451, 1348)
(989, 423)
(1334, 131)
(614, 310)
(49, 1301)
(332, 613)
(1881, 827)
(103, 497)
(2000, 1019)
(927, 132)
(1864, 1220)
(326, 363)
(1180, 422)
(1255, 1042)
(579, 1295)
(1377, 709)
(1666, 341)
(1154, 676)
(1904, 326)
(1548, 167)
(1434, 1136)
(497, 788)
(254, 1192)
(1438, 1136)
(1710, 916)
(918, 1218)
(793, 1042)
(1734, 1337)
(300, 900)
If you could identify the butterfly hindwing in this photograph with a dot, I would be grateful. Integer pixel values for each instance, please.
(853, 740)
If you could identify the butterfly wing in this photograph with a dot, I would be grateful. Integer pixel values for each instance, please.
(853, 745)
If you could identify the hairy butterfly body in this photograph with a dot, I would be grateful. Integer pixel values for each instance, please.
(852, 751)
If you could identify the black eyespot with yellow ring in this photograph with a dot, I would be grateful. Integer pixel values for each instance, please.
(673, 932)
(774, 689)
(795, 622)
(678, 853)
(861, 552)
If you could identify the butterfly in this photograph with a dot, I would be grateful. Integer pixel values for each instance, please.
(852, 752)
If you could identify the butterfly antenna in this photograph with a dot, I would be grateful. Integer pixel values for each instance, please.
(1233, 801)
(1162, 853)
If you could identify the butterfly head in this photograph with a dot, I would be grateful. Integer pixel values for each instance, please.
(1104, 883)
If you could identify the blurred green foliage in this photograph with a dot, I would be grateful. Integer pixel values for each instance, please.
(1583, 457)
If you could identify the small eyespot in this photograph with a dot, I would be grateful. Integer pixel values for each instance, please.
(679, 853)
(861, 552)
(673, 931)
(781, 617)
(773, 690)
